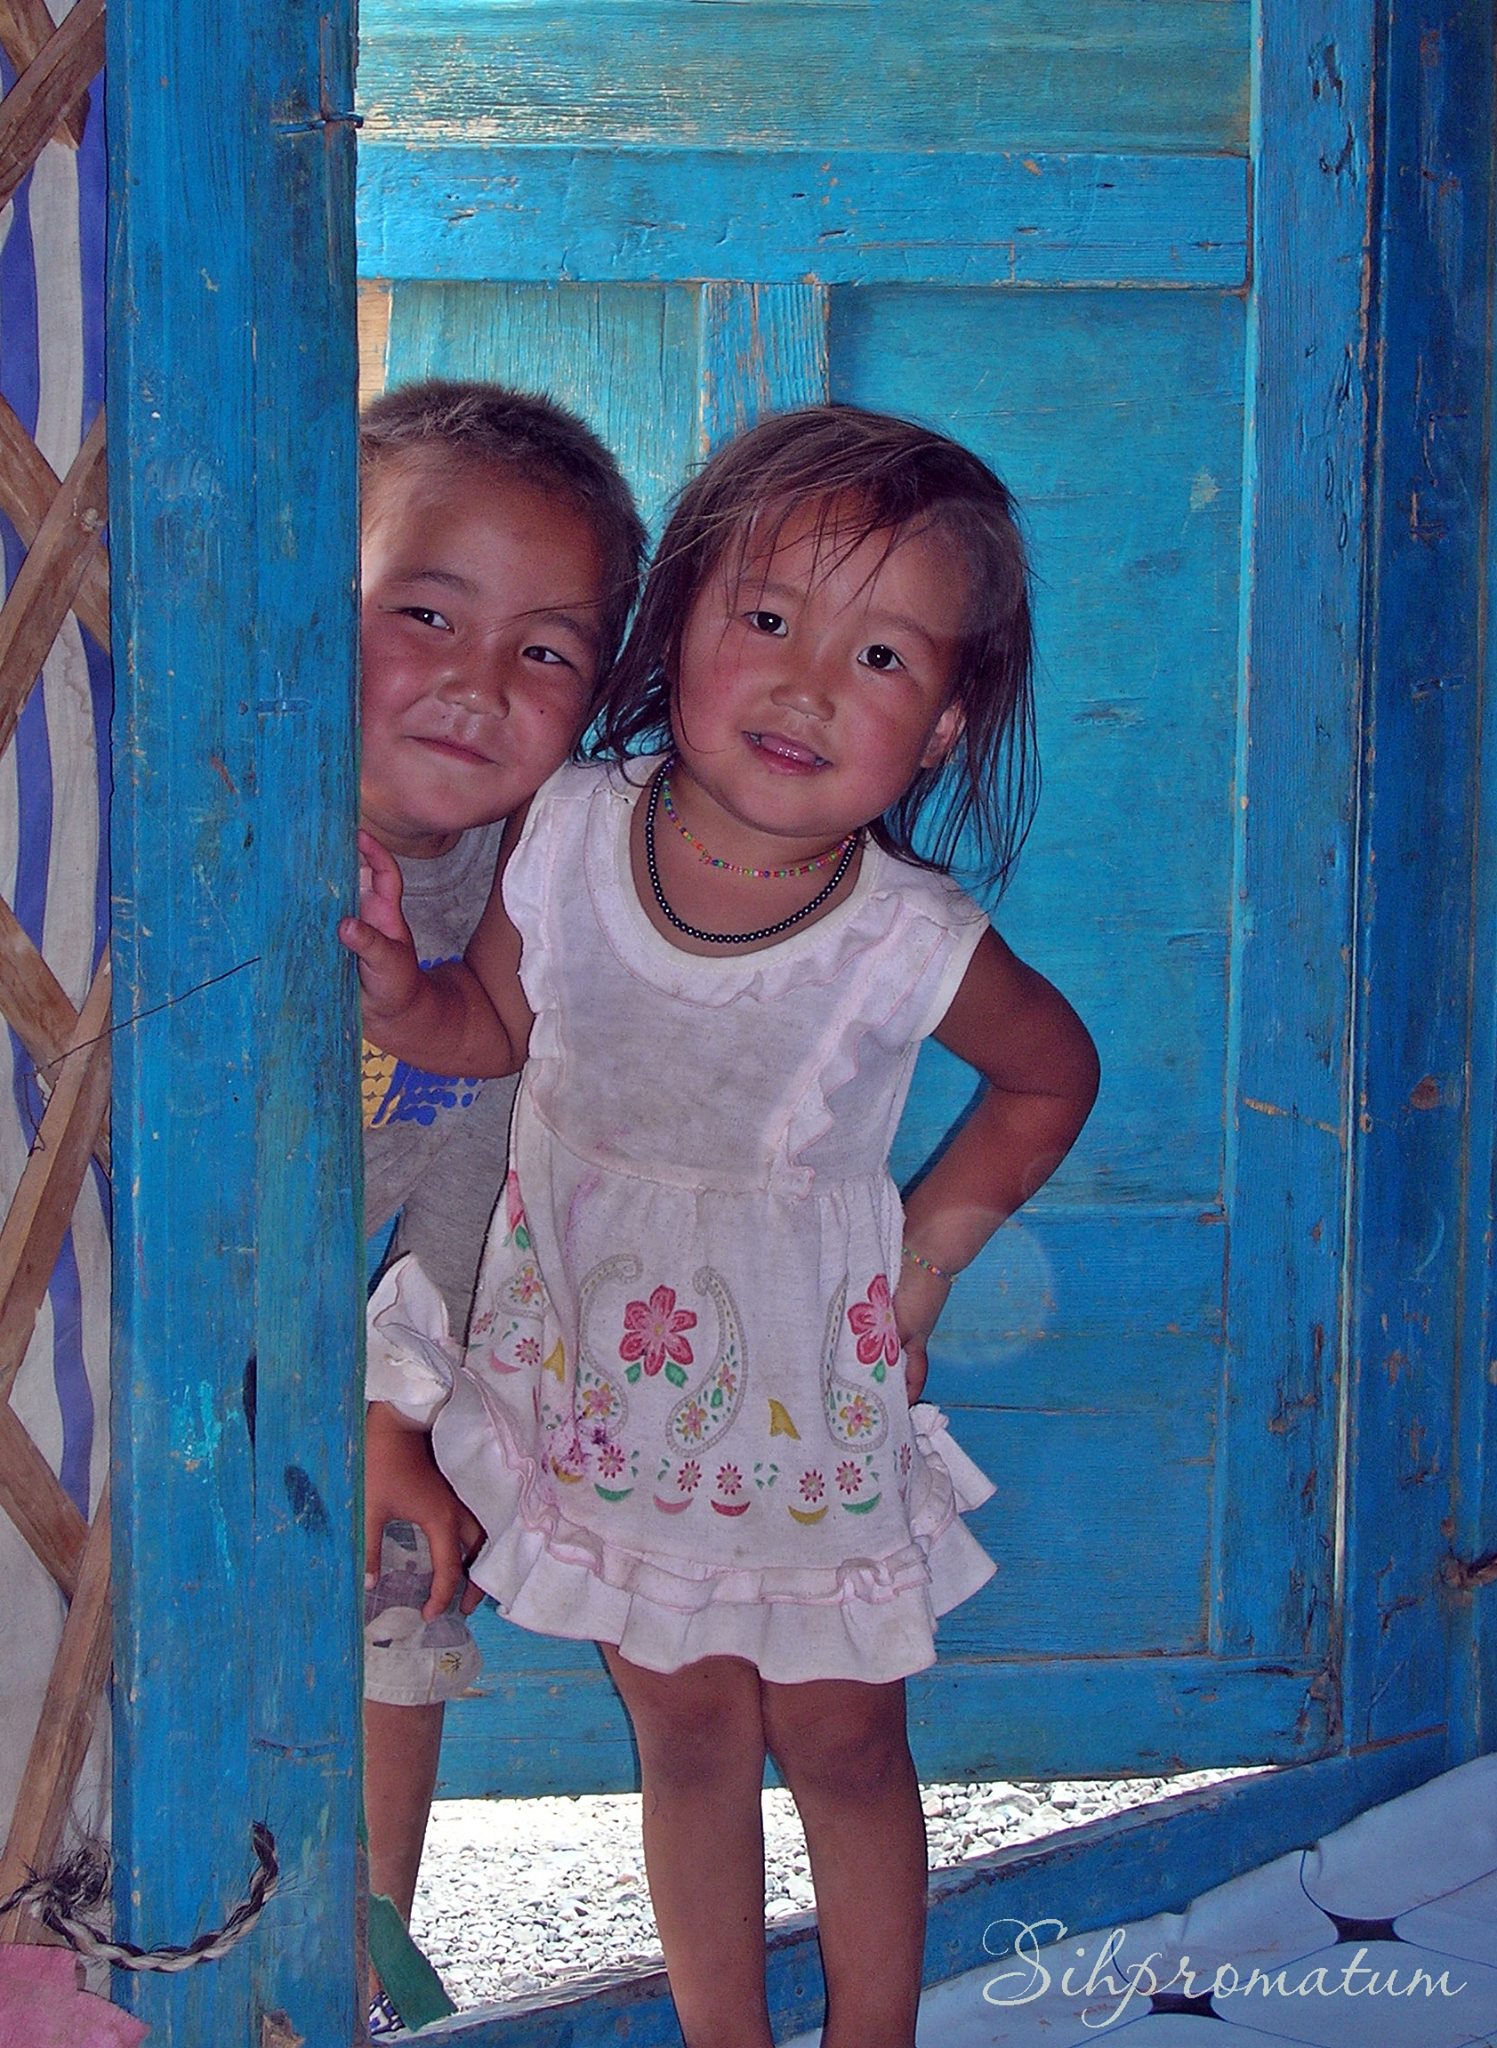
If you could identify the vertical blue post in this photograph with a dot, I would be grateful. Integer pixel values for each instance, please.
(1289, 1048)
(232, 486)
(763, 349)
(1424, 1408)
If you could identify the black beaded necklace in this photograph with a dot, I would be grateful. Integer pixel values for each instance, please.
(770, 931)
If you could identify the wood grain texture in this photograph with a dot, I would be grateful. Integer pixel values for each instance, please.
(551, 1717)
(41, 1209)
(64, 1729)
(32, 1496)
(48, 580)
(26, 27)
(990, 74)
(1472, 1637)
(470, 211)
(763, 349)
(33, 1000)
(232, 376)
(1420, 1406)
(48, 89)
(1289, 1079)
(28, 487)
(374, 336)
(624, 357)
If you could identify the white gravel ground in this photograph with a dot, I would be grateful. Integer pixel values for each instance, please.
(520, 1894)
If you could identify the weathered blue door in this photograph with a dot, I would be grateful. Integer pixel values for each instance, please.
(1056, 233)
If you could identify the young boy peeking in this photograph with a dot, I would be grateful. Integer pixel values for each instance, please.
(500, 558)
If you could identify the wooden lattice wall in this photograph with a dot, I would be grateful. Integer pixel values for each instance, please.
(58, 523)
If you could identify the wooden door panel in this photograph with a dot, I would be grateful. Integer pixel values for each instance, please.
(944, 235)
(812, 74)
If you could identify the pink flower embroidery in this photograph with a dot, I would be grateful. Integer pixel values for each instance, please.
(874, 1326)
(526, 1286)
(811, 1487)
(849, 1476)
(611, 1461)
(514, 1213)
(729, 1480)
(858, 1415)
(528, 1352)
(693, 1423)
(904, 1459)
(652, 1330)
(689, 1478)
(597, 1401)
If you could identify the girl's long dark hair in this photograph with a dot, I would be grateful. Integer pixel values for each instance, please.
(870, 474)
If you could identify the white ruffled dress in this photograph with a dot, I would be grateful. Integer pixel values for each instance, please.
(681, 1417)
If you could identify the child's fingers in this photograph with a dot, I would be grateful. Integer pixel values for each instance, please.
(446, 1565)
(452, 1542)
(916, 1367)
(374, 1536)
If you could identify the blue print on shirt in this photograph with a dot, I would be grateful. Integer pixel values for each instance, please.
(395, 1092)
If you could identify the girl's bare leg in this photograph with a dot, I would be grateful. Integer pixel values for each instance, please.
(401, 1749)
(842, 1750)
(701, 1756)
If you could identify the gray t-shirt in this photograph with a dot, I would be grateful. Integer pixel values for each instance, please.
(435, 1148)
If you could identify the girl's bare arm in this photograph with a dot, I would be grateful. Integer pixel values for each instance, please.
(1041, 1070)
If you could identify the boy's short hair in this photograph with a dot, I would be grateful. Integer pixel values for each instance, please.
(536, 440)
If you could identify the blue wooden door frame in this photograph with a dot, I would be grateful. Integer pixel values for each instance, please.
(231, 439)
(237, 1248)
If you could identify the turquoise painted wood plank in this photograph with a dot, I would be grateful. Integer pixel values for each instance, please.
(1473, 1636)
(470, 210)
(551, 1717)
(1117, 420)
(623, 356)
(1418, 1400)
(991, 74)
(762, 349)
(236, 1381)
(1100, 1529)
(1152, 1860)
(1289, 1082)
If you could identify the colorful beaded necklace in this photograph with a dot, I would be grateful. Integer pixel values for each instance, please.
(770, 931)
(731, 867)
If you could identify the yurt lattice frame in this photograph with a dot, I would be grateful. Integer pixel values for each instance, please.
(60, 522)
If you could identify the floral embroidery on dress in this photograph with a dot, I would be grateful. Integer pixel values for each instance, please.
(598, 1408)
(855, 1415)
(858, 1416)
(857, 1483)
(704, 1416)
(874, 1327)
(685, 1478)
(653, 1336)
(727, 1492)
(614, 1466)
(526, 1289)
(812, 1491)
(517, 1229)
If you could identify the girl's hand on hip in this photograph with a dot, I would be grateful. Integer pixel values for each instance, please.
(918, 1301)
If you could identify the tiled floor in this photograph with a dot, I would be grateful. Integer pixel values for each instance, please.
(1382, 1936)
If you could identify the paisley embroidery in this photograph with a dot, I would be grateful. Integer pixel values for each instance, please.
(704, 1415)
(855, 1415)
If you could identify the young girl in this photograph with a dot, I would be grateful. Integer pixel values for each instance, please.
(686, 1416)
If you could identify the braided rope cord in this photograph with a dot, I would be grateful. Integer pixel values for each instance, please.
(62, 1896)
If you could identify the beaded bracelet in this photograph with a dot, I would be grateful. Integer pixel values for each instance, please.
(927, 1265)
